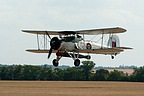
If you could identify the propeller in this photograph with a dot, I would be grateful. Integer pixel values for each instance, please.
(54, 45)
(48, 34)
(50, 51)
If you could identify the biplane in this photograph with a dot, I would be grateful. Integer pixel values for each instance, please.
(73, 43)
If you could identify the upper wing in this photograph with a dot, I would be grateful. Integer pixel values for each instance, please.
(41, 32)
(102, 31)
(87, 32)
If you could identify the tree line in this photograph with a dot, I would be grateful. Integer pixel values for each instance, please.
(82, 73)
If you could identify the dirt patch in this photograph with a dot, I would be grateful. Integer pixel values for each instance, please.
(70, 88)
(129, 71)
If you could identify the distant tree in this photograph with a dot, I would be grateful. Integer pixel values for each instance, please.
(6, 73)
(3, 73)
(17, 72)
(26, 72)
(73, 73)
(101, 75)
(45, 73)
(83, 72)
(58, 74)
(86, 69)
(138, 74)
(116, 75)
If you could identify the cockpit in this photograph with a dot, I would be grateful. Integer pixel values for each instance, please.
(71, 38)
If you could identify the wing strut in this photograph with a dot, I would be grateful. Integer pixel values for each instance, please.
(102, 40)
(38, 42)
(48, 35)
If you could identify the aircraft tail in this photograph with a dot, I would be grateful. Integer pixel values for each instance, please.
(113, 41)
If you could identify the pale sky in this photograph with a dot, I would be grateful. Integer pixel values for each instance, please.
(69, 15)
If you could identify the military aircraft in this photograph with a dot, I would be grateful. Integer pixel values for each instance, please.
(73, 44)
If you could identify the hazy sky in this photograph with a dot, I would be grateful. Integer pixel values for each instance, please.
(69, 15)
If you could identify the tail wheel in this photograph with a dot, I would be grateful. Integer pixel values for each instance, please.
(112, 57)
(55, 63)
(77, 62)
(88, 57)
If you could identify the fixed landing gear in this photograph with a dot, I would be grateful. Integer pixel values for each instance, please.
(74, 56)
(55, 63)
(77, 62)
(112, 57)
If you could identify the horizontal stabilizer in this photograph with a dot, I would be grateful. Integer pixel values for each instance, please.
(124, 48)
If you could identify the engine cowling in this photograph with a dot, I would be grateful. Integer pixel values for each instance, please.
(55, 43)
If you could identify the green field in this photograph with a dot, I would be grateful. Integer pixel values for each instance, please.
(70, 88)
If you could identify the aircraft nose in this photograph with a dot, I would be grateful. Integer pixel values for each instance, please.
(55, 43)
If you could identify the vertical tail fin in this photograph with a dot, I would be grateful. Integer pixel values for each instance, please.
(113, 41)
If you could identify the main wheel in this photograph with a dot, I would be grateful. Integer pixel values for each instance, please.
(55, 63)
(77, 62)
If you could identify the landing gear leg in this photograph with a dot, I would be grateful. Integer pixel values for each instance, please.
(75, 58)
(77, 62)
(56, 61)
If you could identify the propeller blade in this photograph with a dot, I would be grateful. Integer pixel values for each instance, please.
(48, 35)
(50, 53)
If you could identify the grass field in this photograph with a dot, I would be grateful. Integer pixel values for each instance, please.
(70, 88)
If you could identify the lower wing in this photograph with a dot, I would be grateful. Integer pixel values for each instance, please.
(40, 51)
(105, 51)
(91, 51)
